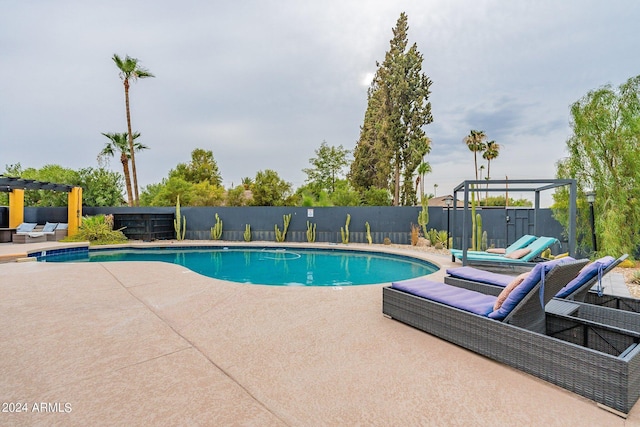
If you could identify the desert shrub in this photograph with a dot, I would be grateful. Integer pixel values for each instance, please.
(98, 230)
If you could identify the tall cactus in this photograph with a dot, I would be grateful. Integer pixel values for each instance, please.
(485, 241)
(216, 230)
(180, 222)
(423, 219)
(366, 225)
(311, 232)
(344, 232)
(478, 233)
(281, 236)
(247, 233)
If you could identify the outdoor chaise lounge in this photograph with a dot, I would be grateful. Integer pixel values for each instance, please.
(551, 345)
(25, 233)
(521, 243)
(579, 289)
(522, 256)
(59, 233)
(29, 232)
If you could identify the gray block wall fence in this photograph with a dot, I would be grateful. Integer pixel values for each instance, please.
(503, 226)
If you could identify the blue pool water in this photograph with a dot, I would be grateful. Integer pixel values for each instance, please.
(269, 266)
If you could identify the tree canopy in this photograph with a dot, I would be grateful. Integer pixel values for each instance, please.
(198, 183)
(270, 190)
(604, 156)
(202, 167)
(327, 167)
(392, 140)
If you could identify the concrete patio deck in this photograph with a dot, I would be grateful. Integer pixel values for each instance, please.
(156, 344)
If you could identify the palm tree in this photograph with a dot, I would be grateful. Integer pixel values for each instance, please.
(130, 70)
(491, 151)
(476, 142)
(118, 142)
(423, 169)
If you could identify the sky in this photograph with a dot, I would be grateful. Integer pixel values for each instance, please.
(263, 83)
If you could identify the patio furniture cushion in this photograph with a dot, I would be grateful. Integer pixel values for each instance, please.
(26, 227)
(481, 276)
(49, 227)
(586, 274)
(464, 299)
(518, 253)
(500, 251)
(507, 290)
(536, 275)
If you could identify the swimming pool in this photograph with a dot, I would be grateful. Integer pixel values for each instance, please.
(271, 266)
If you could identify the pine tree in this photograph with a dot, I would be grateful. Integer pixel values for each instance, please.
(392, 139)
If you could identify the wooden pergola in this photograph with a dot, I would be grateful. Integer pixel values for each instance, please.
(16, 187)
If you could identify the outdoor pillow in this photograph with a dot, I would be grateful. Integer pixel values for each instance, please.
(26, 227)
(525, 287)
(518, 253)
(500, 251)
(62, 226)
(587, 273)
(507, 290)
(50, 227)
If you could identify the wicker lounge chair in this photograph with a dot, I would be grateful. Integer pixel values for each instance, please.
(533, 251)
(554, 354)
(579, 289)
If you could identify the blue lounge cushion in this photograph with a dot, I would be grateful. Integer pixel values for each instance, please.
(536, 275)
(482, 276)
(26, 227)
(586, 274)
(50, 227)
(62, 226)
(464, 299)
(518, 244)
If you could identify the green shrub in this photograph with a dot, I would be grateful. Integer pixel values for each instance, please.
(98, 230)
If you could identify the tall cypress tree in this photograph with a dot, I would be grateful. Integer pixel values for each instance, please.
(392, 140)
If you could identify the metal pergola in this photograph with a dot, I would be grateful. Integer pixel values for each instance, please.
(515, 185)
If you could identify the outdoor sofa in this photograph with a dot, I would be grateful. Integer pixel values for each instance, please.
(555, 345)
(29, 232)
